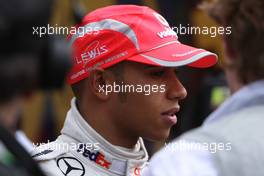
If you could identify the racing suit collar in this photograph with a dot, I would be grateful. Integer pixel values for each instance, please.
(121, 161)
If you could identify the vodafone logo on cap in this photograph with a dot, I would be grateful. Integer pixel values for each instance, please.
(161, 19)
(168, 32)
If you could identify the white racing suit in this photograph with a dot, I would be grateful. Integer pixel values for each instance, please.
(81, 151)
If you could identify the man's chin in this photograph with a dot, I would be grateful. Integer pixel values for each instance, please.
(159, 136)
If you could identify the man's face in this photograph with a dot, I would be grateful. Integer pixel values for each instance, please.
(150, 113)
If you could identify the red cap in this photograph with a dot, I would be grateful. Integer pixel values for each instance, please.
(112, 34)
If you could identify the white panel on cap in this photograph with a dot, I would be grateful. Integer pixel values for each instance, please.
(111, 25)
(177, 63)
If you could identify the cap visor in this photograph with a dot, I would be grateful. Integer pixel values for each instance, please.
(175, 54)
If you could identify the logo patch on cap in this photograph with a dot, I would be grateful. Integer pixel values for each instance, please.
(168, 32)
(92, 51)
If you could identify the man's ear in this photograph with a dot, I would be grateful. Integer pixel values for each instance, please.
(99, 81)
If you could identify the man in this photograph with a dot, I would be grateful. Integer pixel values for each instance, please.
(231, 140)
(126, 88)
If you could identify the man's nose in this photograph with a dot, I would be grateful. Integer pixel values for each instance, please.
(175, 89)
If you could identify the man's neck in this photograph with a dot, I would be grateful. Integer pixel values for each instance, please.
(105, 127)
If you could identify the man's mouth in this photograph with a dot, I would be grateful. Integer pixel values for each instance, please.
(170, 115)
(171, 111)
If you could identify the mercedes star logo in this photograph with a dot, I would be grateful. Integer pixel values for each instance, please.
(70, 166)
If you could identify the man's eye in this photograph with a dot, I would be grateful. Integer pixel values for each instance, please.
(158, 73)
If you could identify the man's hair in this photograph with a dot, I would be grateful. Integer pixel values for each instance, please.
(77, 89)
(246, 18)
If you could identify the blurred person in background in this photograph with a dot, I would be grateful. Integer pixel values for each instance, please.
(122, 45)
(16, 82)
(230, 142)
(26, 64)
